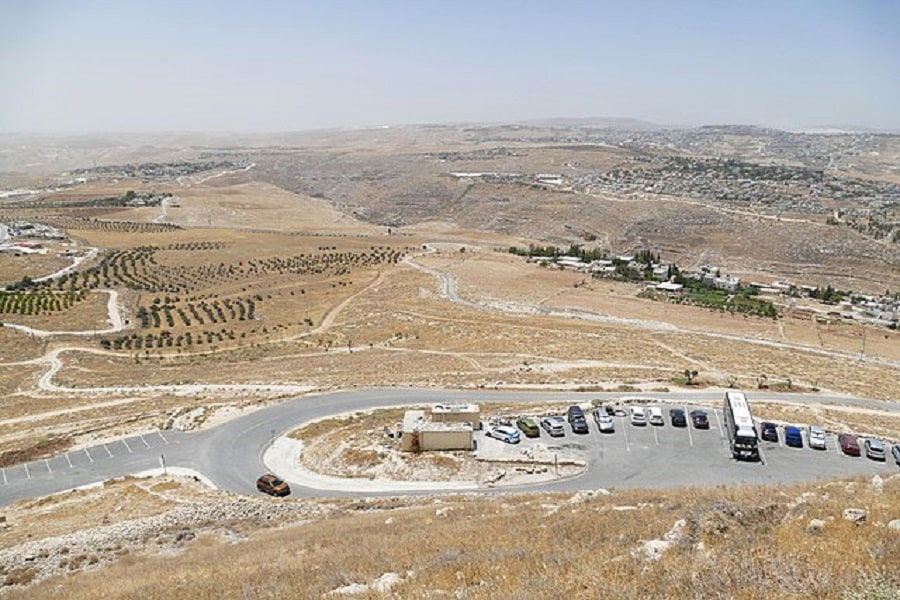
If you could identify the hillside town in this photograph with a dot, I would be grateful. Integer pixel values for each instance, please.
(711, 286)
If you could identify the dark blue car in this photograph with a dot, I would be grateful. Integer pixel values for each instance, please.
(793, 436)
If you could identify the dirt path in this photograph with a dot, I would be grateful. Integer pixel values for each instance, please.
(77, 260)
(163, 216)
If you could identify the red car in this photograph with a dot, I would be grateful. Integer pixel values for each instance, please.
(849, 444)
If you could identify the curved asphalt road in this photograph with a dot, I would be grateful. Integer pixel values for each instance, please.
(231, 454)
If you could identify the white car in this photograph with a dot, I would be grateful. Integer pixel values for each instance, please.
(816, 437)
(604, 422)
(656, 416)
(503, 433)
(637, 416)
(555, 426)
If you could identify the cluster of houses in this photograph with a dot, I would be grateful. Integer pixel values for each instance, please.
(32, 232)
(549, 180)
(663, 273)
(876, 310)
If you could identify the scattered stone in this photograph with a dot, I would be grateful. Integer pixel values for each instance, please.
(587, 495)
(653, 550)
(678, 533)
(878, 483)
(441, 512)
(855, 515)
(815, 526)
(386, 582)
(895, 525)
(389, 521)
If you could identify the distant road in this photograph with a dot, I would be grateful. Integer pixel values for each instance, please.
(230, 455)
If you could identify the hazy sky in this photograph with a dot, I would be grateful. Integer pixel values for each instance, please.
(261, 66)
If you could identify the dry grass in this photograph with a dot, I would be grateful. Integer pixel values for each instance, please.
(743, 543)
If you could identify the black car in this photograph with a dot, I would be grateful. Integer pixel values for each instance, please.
(576, 420)
(895, 452)
(699, 419)
(677, 417)
(768, 432)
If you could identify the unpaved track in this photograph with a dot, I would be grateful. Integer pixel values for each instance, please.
(77, 260)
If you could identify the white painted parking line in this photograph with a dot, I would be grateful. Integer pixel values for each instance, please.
(159, 433)
(127, 446)
(625, 431)
(688, 426)
(837, 446)
(721, 429)
(47, 462)
(108, 451)
(656, 435)
(88, 454)
(68, 460)
(143, 440)
(27, 472)
(4, 477)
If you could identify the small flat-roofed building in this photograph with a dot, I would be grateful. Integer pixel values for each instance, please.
(420, 434)
(456, 413)
(669, 286)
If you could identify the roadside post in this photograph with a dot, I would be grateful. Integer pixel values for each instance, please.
(162, 459)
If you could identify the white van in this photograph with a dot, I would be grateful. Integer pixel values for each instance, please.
(637, 416)
(656, 415)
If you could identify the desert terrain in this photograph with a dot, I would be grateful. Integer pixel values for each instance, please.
(176, 283)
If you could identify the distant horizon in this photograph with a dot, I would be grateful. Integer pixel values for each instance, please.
(826, 128)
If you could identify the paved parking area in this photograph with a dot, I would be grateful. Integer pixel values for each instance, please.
(230, 454)
(663, 455)
(126, 452)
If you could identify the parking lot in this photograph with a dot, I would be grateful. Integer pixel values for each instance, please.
(125, 455)
(663, 455)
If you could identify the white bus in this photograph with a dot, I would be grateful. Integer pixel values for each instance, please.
(740, 428)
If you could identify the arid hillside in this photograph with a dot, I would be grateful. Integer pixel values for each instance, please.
(835, 540)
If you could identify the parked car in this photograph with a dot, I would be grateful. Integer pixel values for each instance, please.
(510, 435)
(527, 426)
(699, 419)
(553, 426)
(816, 436)
(768, 432)
(605, 423)
(895, 451)
(656, 416)
(676, 415)
(849, 444)
(610, 409)
(793, 436)
(874, 449)
(637, 416)
(577, 419)
(273, 485)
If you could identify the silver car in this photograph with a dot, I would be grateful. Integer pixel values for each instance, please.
(816, 437)
(874, 449)
(555, 426)
(605, 422)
